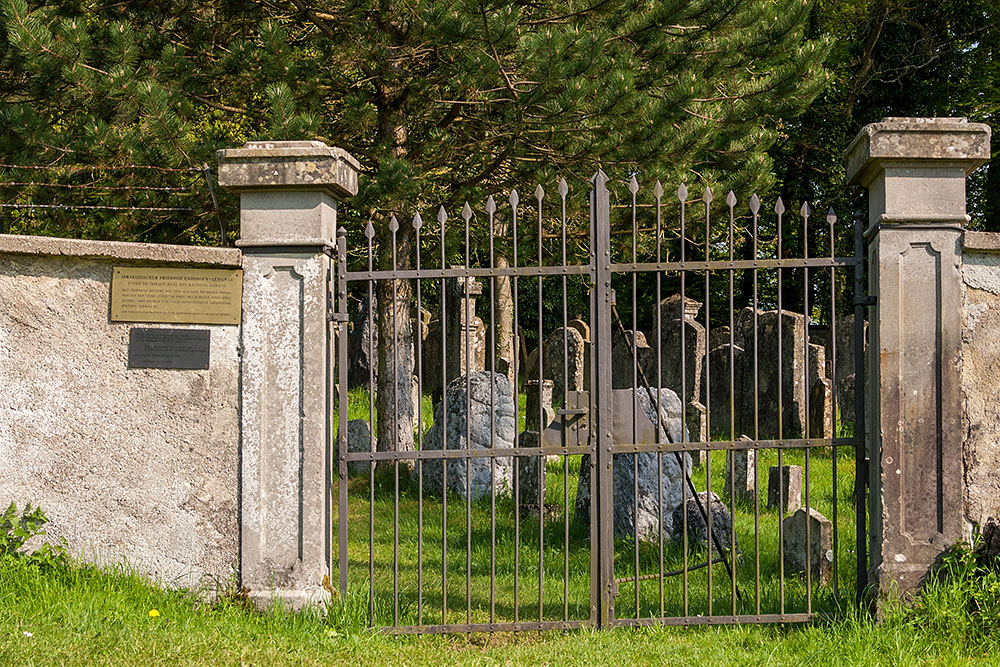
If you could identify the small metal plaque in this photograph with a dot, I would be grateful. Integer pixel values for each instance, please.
(169, 348)
(176, 296)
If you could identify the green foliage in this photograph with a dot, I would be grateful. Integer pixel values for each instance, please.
(440, 102)
(17, 527)
(961, 602)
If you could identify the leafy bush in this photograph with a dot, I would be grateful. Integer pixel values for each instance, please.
(16, 528)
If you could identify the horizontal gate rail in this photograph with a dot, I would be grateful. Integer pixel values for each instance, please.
(439, 560)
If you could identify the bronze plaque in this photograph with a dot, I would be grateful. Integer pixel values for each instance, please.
(181, 296)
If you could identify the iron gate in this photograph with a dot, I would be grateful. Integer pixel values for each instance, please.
(523, 550)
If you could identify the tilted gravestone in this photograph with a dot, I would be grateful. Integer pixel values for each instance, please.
(659, 474)
(697, 527)
(818, 555)
(741, 469)
(562, 362)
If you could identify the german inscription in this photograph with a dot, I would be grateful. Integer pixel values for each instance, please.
(176, 296)
(169, 348)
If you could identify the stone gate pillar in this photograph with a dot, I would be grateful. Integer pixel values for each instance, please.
(915, 171)
(288, 216)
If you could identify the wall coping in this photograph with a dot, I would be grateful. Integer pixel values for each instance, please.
(15, 244)
(982, 241)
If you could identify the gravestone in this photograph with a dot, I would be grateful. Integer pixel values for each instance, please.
(359, 439)
(488, 424)
(740, 472)
(786, 481)
(722, 390)
(464, 334)
(584, 330)
(625, 372)
(719, 336)
(658, 473)
(362, 343)
(820, 544)
(502, 332)
(697, 527)
(555, 365)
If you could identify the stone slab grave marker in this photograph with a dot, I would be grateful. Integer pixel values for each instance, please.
(658, 473)
(359, 439)
(820, 550)
(786, 480)
(538, 406)
(697, 528)
(553, 365)
(489, 425)
(740, 471)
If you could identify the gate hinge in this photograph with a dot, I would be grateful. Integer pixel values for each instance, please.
(865, 300)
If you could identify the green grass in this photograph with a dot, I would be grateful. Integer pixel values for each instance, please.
(81, 615)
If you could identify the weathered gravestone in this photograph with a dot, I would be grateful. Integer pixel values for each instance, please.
(562, 362)
(363, 343)
(463, 348)
(741, 469)
(722, 391)
(538, 414)
(486, 412)
(818, 553)
(359, 439)
(659, 474)
(784, 484)
(697, 527)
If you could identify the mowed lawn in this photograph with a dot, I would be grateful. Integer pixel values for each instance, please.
(79, 615)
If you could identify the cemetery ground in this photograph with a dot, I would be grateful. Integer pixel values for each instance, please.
(79, 614)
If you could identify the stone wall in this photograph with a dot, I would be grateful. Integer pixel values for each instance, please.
(981, 375)
(131, 465)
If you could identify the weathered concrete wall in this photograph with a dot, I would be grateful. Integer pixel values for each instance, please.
(981, 375)
(136, 465)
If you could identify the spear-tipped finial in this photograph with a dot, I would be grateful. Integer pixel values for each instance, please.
(393, 224)
(633, 185)
(754, 204)
(539, 192)
(831, 216)
(658, 190)
(708, 196)
(682, 192)
(779, 206)
(731, 199)
(563, 187)
(514, 199)
(491, 205)
(442, 215)
(466, 212)
(806, 211)
(369, 230)
(418, 222)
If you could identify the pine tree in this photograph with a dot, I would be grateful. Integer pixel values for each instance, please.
(440, 101)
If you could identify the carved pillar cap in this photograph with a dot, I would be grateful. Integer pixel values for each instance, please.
(289, 165)
(911, 141)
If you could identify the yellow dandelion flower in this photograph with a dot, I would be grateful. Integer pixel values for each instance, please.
(153, 613)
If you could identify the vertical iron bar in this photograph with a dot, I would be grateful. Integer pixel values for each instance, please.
(442, 218)
(418, 339)
(342, 413)
(807, 427)
(831, 218)
(514, 199)
(491, 210)
(707, 198)
(633, 187)
(466, 325)
(860, 468)
(393, 227)
(601, 223)
(779, 208)
(658, 193)
(373, 313)
(731, 203)
(539, 194)
(755, 210)
(682, 193)
(563, 191)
